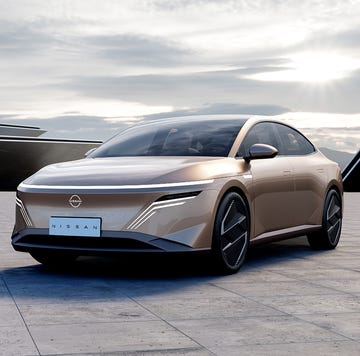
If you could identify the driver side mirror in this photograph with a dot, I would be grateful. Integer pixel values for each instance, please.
(261, 151)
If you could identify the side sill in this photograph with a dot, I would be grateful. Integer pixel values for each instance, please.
(284, 234)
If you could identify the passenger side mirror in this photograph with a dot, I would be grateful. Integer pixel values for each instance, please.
(261, 151)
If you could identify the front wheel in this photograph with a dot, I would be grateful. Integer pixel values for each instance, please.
(329, 235)
(231, 233)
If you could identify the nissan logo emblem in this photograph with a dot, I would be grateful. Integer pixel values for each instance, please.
(75, 201)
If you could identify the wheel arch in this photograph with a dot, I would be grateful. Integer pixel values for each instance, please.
(323, 239)
(335, 186)
(240, 189)
(228, 250)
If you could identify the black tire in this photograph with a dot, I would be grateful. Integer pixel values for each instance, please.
(54, 258)
(328, 237)
(231, 234)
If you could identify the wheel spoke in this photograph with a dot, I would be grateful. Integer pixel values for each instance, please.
(244, 235)
(333, 209)
(333, 219)
(333, 230)
(234, 232)
(233, 219)
(234, 251)
(241, 253)
(225, 230)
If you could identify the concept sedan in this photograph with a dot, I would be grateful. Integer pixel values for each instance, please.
(200, 183)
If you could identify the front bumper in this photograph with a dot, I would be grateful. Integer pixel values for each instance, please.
(110, 242)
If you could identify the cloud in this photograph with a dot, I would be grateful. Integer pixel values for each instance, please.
(196, 89)
(5, 116)
(25, 39)
(77, 126)
(334, 40)
(335, 138)
(192, 55)
(224, 108)
(74, 126)
(137, 49)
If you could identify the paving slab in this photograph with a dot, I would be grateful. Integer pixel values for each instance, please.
(323, 273)
(346, 324)
(342, 285)
(248, 331)
(328, 348)
(61, 291)
(84, 312)
(16, 341)
(10, 316)
(173, 290)
(272, 289)
(313, 304)
(175, 309)
(108, 337)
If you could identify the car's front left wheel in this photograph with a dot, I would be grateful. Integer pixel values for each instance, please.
(231, 233)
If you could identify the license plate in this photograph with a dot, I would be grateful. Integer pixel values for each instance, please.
(89, 227)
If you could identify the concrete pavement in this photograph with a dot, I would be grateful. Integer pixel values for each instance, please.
(286, 300)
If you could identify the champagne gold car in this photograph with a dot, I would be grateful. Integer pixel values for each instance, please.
(190, 184)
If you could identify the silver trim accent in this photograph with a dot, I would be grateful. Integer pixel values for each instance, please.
(105, 187)
(239, 221)
(352, 168)
(24, 212)
(153, 208)
(283, 232)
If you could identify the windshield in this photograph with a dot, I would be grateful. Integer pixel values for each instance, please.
(174, 138)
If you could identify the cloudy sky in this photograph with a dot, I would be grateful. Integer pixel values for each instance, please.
(85, 68)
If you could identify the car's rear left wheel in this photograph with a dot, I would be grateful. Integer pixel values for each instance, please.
(328, 237)
(231, 233)
(54, 258)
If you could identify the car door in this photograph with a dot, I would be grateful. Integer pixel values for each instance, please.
(272, 186)
(308, 173)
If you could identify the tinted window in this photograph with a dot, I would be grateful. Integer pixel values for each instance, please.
(261, 133)
(292, 142)
(174, 137)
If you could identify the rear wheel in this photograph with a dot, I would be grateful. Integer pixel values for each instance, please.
(231, 233)
(54, 258)
(329, 235)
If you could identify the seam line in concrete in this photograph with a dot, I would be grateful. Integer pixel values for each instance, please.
(22, 318)
(172, 326)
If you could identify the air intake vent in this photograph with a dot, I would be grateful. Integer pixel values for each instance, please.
(179, 196)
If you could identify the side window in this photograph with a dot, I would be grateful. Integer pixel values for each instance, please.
(292, 142)
(262, 132)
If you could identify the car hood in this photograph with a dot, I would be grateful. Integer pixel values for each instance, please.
(135, 170)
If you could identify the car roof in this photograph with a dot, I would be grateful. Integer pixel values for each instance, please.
(250, 118)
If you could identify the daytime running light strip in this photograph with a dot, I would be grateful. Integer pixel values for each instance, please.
(108, 187)
(24, 213)
(152, 209)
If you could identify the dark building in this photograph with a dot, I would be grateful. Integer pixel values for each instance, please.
(351, 175)
(23, 151)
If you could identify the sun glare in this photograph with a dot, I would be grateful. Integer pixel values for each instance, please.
(316, 67)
